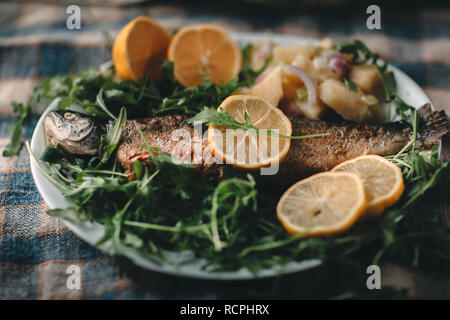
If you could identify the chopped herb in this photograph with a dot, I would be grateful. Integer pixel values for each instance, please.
(359, 52)
(350, 84)
(212, 117)
(302, 94)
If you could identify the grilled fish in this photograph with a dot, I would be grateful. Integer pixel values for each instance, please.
(74, 132)
(80, 134)
(305, 157)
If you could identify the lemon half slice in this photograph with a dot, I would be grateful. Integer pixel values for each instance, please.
(324, 203)
(383, 180)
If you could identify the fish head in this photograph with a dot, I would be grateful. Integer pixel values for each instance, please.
(75, 132)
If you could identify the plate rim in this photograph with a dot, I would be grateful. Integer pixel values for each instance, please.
(89, 232)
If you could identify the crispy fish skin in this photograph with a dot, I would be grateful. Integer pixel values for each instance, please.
(346, 141)
(305, 157)
(170, 134)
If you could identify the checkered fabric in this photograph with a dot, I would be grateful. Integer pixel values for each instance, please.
(36, 249)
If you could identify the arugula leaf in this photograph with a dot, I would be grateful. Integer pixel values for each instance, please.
(138, 169)
(51, 154)
(404, 110)
(389, 84)
(24, 110)
(101, 104)
(212, 117)
(15, 144)
(72, 214)
(110, 140)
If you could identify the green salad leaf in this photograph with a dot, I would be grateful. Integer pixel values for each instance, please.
(110, 140)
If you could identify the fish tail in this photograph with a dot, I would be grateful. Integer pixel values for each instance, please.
(433, 125)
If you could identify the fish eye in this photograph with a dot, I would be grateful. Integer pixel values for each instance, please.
(69, 116)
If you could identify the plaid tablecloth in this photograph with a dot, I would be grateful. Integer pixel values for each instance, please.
(36, 249)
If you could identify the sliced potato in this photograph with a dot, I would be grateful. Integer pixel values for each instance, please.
(287, 54)
(348, 104)
(367, 78)
(271, 87)
(376, 114)
(326, 43)
(317, 68)
(311, 111)
(291, 85)
(305, 63)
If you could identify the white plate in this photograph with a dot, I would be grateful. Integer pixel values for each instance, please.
(184, 263)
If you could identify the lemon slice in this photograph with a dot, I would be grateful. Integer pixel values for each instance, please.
(383, 180)
(324, 203)
(244, 148)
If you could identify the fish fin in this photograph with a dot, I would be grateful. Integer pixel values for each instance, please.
(433, 126)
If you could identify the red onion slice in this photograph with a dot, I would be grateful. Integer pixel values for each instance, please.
(336, 62)
(307, 80)
(338, 66)
(330, 54)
